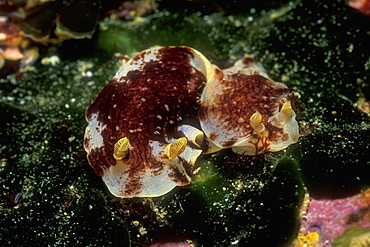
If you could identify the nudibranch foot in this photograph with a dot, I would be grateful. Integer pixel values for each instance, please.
(260, 145)
(243, 109)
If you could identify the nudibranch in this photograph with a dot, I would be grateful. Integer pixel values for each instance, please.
(243, 109)
(136, 138)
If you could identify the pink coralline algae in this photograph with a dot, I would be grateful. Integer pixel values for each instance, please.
(330, 218)
(183, 244)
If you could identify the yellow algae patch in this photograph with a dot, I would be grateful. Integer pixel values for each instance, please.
(311, 239)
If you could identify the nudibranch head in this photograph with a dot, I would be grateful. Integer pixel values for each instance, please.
(134, 138)
(242, 108)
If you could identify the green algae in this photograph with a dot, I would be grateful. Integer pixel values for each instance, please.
(48, 194)
(336, 165)
(243, 211)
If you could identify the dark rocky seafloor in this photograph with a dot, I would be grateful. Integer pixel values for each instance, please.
(50, 196)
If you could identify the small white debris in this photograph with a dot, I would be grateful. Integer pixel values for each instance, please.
(53, 60)
(166, 107)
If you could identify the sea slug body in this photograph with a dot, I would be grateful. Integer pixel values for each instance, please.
(243, 109)
(134, 138)
(144, 133)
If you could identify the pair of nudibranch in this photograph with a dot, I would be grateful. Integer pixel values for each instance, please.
(146, 128)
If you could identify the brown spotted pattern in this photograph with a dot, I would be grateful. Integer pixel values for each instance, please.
(156, 91)
(232, 96)
(145, 104)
